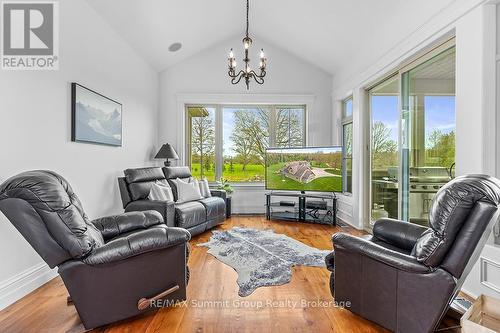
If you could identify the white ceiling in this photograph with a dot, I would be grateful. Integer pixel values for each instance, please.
(330, 33)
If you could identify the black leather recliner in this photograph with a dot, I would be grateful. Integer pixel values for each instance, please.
(112, 266)
(195, 216)
(405, 276)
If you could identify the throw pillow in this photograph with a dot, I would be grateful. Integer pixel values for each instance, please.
(160, 192)
(187, 191)
(204, 189)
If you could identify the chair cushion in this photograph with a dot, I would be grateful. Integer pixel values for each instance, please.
(59, 208)
(449, 210)
(135, 243)
(215, 206)
(140, 181)
(143, 174)
(189, 214)
(140, 190)
(177, 172)
(385, 244)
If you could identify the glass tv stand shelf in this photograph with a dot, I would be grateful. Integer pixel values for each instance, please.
(292, 206)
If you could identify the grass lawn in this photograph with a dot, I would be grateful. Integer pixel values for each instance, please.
(325, 184)
(252, 172)
(256, 172)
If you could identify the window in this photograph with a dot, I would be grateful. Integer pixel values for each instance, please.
(231, 141)
(347, 145)
(201, 138)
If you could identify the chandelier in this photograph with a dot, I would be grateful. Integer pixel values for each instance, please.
(247, 73)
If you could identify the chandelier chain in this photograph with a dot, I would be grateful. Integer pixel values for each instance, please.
(248, 8)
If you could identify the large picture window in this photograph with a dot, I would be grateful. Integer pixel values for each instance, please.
(230, 141)
(347, 145)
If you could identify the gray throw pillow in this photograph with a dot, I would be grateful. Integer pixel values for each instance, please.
(204, 188)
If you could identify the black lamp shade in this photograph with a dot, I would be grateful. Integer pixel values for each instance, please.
(167, 151)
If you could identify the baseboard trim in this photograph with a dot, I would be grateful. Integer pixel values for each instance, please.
(23, 283)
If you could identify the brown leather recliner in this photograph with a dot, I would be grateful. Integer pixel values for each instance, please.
(405, 276)
(112, 266)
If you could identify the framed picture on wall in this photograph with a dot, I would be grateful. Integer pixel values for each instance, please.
(95, 118)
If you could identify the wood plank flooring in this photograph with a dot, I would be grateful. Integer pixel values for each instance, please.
(45, 309)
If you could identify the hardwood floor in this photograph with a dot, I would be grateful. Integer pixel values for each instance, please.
(45, 309)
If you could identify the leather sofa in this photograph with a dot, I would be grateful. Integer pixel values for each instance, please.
(405, 276)
(194, 216)
(112, 266)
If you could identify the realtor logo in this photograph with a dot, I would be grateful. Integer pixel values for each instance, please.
(30, 35)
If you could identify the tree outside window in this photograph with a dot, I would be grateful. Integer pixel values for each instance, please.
(246, 132)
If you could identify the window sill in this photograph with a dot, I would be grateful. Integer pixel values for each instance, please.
(242, 185)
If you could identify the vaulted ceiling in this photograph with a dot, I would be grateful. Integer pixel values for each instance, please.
(329, 33)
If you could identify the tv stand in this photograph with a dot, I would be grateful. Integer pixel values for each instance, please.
(314, 208)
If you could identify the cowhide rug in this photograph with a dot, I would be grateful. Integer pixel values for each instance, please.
(261, 257)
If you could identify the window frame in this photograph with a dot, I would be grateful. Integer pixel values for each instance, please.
(219, 133)
(346, 121)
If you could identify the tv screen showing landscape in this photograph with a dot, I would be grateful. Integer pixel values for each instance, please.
(304, 169)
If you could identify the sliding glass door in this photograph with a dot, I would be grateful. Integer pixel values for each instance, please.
(412, 139)
(428, 123)
(384, 157)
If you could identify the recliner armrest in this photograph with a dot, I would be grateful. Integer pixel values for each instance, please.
(401, 234)
(143, 241)
(112, 226)
(219, 193)
(165, 208)
(400, 261)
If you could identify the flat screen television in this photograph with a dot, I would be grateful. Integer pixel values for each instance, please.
(304, 169)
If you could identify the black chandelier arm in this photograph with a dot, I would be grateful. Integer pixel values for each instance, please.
(237, 78)
(235, 75)
(261, 76)
(257, 79)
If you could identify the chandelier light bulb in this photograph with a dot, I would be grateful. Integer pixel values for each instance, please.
(231, 54)
(262, 53)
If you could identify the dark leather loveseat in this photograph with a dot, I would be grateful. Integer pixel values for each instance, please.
(111, 266)
(405, 276)
(195, 216)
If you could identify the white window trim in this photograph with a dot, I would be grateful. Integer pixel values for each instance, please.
(234, 100)
(345, 120)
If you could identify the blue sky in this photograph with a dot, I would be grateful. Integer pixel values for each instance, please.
(439, 113)
(228, 122)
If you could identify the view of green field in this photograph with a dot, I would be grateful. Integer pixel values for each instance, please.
(275, 181)
(252, 172)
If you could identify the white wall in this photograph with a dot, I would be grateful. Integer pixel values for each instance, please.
(206, 74)
(35, 130)
(472, 24)
(476, 88)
